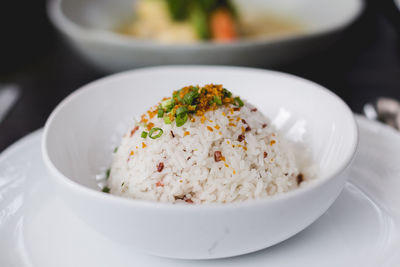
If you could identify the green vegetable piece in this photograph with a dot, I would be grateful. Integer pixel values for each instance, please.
(155, 133)
(199, 20)
(178, 9)
(144, 134)
(181, 119)
(165, 103)
(226, 93)
(115, 149)
(189, 97)
(108, 171)
(238, 102)
(167, 120)
(106, 189)
(168, 104)
(160, 113)
(181, 110)
(217, 99)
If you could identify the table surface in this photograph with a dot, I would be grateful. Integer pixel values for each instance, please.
(361, 66)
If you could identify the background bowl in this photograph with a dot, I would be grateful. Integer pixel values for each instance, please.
(89, 24)
(83, 130)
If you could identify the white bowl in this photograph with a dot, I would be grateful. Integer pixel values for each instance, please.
(83, 130)
(88, 25)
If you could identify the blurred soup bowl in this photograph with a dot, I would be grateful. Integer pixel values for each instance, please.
(89, 25)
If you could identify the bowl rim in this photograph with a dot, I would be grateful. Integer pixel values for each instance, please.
(105, 197)
(73, 29)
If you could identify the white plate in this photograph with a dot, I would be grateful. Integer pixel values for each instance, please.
(360, 229)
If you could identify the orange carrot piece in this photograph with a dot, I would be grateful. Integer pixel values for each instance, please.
(222, 26)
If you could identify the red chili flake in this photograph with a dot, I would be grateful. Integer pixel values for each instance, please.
(244, 121)
(188, 158)
(265, 155)
(160, 167)
(159, 183)
(299, 178)
(241, 138)
(134, 130)
(253, 110)
(172, 133)
(236, 109)
(264, 125)
(217, 156)
(189, 201)
(248, 129)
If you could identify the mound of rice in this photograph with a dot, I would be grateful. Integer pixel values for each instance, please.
(229, 155)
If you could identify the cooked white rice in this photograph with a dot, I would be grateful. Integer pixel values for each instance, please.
(262, 165)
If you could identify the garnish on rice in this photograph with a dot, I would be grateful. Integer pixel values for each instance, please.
(191, 101)
(184, 105)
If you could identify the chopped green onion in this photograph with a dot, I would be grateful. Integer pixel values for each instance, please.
(144, 134)
(106, 189)
(115, 149)
(165, 103)
(226, 92)
(181, 119)
(108, 171)
(155, 136)
(217, 99)
(167, 119)
(181, 110)
(160, 113)
(238, 102)
(189, 97)
(177, 95)
(168, 104)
